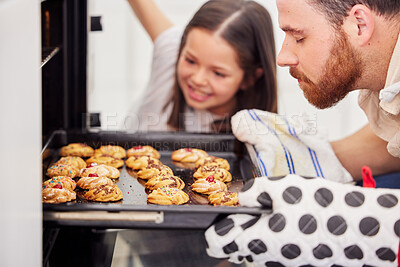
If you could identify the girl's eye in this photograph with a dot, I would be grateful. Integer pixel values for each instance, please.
(190, 61)
(219, 74)
(299, 40)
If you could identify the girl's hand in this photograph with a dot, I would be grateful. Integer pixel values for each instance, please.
(151, 17)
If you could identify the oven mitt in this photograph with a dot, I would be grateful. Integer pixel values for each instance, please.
(313, 221)
(288, 145)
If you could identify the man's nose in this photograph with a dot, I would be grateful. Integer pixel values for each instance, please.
(287, 57)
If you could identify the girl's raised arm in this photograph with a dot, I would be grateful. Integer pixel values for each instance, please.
(151, 17)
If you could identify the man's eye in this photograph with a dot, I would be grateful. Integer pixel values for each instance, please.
(299, 40)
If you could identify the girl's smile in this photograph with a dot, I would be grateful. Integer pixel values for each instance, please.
(198, 95)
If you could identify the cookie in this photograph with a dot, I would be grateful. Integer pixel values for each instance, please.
(224, 198)
(104, 193)
(208, 186)
(143, 151)
(93, 181)
(60, 182)
(212, 160)
(141, 162)
(114, 151)
(188, 154)
(76, 150)
(101, 170)
(153, 170)
(165, 181)
(62, 170)
(217, 172)
(78, 162)
(168, 196)
(57, 195)
(106, 160)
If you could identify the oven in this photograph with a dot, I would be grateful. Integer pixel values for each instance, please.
(64, 46)
(83, 232)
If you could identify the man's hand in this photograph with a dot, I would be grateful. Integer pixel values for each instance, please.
(313, 221)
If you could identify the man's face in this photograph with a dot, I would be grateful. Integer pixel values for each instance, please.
(319, 57)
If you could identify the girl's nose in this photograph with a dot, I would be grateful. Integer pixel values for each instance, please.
(287, 57)
(200, 76)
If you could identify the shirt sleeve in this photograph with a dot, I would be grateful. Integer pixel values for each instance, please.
(162, 77)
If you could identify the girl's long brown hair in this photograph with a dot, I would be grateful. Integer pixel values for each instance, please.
(250, 32)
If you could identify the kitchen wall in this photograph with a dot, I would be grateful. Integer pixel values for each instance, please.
(120, 58)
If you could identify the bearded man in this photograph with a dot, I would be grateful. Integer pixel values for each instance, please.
(334, 47)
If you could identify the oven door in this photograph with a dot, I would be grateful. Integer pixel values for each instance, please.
(157, 232)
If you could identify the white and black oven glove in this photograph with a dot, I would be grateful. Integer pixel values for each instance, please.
(314, 222)
(288, 145)
(317, 222)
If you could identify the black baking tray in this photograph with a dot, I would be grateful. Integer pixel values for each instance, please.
(134, 211)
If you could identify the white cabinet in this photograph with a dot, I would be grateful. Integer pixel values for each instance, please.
(20, 135)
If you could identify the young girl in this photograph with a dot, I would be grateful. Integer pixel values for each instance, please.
(224, 61)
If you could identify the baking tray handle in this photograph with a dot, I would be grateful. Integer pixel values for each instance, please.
(126, 216)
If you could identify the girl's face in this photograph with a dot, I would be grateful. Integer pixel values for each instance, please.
(208, 72)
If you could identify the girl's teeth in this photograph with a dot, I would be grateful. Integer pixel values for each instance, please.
(199, 92)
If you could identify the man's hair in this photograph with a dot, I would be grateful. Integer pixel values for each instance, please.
(336, 10)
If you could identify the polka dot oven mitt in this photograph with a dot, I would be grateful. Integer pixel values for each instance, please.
(314, 221)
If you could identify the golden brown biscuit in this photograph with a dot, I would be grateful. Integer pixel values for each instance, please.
(168, 196)
(212, 160)
(60, 182)
(57, 195)
(114, 151)
(104, 193)
(208, 186)
(154, 169)
(101, 170)
(77, 150)
(141, 162)
(165, 181)
(106, 160)
(93, 181)
(224, 198)
(62, 170)
(78, 162)
(218, 173)
(188, 154)
(143, 151)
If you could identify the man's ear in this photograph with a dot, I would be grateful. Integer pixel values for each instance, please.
(360, 24)
(250, 81)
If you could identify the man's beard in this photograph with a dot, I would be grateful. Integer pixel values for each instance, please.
(342, 70)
